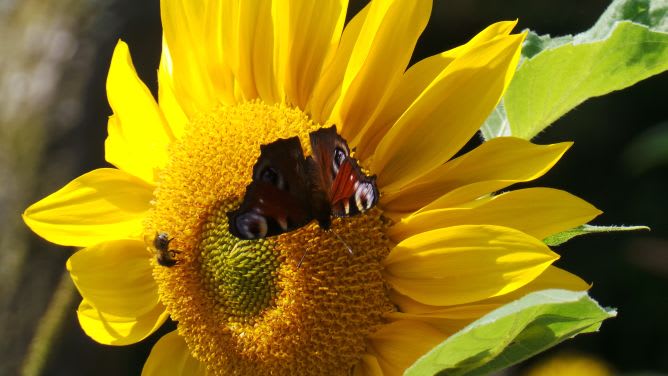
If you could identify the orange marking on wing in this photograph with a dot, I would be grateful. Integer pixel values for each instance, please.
(344, 185)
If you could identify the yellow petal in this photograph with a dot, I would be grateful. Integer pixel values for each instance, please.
(552, 278)
(216, 28)
(169, 104)
(447, 325)
(447, 114)
(491, 166)
(101, 205)
(247, 38)
(109, 329)
(307, 34)
(368, 366)
(408, 306)
(328, 88)
(495, 30)
(453, 318)
(171, 356)
(184, 28)
(399, 344)
(378, 60)
(121, 303)
(116, 277)
(402, 207)
(138, 132)
(416, 79)
(462, 264)
(539, 212)
(449, 319)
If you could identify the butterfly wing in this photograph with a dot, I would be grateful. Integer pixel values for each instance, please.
(352, 191)
(329, 150)
(275, 201)
(347, 189)
(326, 146)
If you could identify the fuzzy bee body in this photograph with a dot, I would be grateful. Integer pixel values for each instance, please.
(164, 255)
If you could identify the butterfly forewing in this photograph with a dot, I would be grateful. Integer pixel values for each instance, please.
(273, 203)
(326, 145)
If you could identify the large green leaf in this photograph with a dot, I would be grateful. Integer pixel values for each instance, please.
(629, 43)
(513, 333)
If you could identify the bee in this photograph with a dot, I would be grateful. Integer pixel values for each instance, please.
(164, 255)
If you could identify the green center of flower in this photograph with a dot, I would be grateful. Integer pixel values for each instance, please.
(241, 275)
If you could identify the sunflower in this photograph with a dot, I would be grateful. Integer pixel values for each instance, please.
(570, 364)
(441, 248)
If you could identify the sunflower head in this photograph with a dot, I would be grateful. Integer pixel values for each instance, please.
(439, 250)
(249, 306)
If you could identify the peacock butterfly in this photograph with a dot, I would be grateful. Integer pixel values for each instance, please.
(290, 190)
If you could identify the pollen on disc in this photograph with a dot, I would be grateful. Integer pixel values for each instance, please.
(244, 306)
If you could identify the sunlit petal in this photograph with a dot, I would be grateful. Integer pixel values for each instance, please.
(378, 60)
(121, 303)
(491, 166)
(451, 110)
(399, 344)
(167, 99)
(115, 330)
(184, 30)
(101, 205)
(247, 34)
(328, 89)
(171, 356)
(416, 80)
(307, 34)
(493, 260)
(451, 319)
(539, 212)
(138, 132)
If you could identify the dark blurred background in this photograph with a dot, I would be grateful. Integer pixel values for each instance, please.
(54, 57)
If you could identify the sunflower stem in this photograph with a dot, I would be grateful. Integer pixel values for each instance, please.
(49, 327)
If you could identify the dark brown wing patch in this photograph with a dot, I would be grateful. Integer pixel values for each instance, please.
(273, 203)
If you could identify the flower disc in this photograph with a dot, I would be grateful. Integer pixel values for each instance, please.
(246, 307)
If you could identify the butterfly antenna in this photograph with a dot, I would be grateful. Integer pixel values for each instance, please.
(344, 243)
(302, 259)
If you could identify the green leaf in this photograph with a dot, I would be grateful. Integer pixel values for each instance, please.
(534, 43)
(513, 333)
(567, 235)
(496, 124)
(651, 13)
(628, 43)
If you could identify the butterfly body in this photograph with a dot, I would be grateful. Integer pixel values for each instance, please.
(289, 190)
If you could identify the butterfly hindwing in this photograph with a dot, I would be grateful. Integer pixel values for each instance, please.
(274, 201)
(352, 191)
(349, 191)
